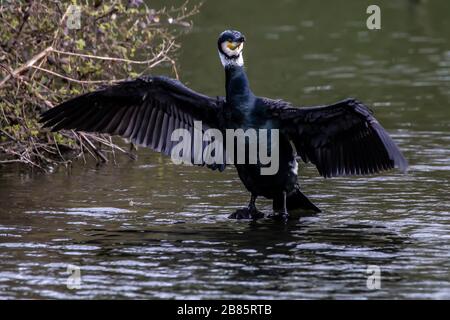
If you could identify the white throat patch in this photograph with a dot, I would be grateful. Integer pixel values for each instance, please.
(237, 61)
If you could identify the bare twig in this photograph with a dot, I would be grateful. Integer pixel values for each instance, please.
(90, 56)
(93, 148)
(27, 65)
(75, 80)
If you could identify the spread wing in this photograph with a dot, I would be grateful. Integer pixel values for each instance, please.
(339, 139)
(146, 111)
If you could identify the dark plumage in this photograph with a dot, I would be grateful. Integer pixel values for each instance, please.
(339, 139)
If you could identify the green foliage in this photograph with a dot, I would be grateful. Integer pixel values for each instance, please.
(44, 60)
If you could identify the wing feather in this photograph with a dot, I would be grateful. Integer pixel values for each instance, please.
(339, 139)
(146, 111)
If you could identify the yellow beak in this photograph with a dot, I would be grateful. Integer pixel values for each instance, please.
(233, 45)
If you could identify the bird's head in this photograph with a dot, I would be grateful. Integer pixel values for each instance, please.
(231, 44)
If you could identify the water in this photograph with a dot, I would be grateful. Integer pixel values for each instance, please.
(150, 229)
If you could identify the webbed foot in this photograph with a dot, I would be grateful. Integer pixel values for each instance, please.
(246, 213)
(279, 216)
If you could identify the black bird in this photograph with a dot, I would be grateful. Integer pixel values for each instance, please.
(339, 139)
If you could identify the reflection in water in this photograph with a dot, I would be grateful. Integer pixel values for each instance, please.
(150, 229)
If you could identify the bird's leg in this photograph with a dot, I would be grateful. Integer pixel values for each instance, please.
(281, 215)
(252, 204)
(255, 213)
(248, 213)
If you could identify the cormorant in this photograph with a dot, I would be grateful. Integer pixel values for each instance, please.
(339, 139)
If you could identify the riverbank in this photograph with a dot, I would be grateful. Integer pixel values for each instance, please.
(50, 52)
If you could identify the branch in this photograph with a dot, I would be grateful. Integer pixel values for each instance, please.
(94, 148)
(75, 80)
(90, 56)
(27, 65)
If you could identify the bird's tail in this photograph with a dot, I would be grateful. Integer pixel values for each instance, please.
(295, 200)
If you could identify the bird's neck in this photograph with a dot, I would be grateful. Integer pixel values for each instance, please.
(237, 87)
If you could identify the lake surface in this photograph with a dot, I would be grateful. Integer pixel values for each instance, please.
(151, 229)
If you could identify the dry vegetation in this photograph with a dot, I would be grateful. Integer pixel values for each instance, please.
(46, 56)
